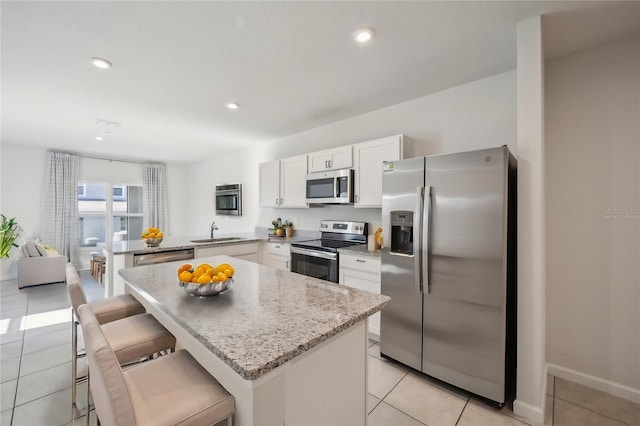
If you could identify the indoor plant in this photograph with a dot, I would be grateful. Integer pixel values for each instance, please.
(9, 231)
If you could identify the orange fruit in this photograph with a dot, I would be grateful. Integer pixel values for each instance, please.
(185, 267)
(221, 276)
(228, 272)
(194, 280)
(205, 266)
(204, 279)
(197, 273)
(215, 279)
(185, 276)
(209, 272)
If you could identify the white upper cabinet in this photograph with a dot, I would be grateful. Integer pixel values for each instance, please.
(331, 159)
(293, 184)
(367, 165)
(282, 182)
(270, 184)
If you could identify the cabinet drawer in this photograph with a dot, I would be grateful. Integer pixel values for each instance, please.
(279, 249)
(237, 250)
(361, 263)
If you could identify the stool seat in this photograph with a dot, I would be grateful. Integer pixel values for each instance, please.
(136, 337)
(170, 390)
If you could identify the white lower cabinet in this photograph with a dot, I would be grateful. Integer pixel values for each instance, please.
(248, 251)
(277, 255)
(363, 273)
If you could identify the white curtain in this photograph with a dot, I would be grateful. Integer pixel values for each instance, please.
(59, 220)
(154, 195)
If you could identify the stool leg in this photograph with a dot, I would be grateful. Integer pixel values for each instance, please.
(74, 359)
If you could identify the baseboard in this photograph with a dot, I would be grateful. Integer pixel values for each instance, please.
(528, 411)
(607, 386)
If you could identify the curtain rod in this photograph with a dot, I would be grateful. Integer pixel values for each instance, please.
(121, 160)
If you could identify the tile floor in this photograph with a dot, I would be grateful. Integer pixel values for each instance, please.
(35, 352)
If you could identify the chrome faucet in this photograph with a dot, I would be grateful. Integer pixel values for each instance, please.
(213, 227)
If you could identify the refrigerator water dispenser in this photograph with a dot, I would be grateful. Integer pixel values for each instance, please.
(402, 233)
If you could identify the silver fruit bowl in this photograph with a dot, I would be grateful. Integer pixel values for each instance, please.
(153, 242)
(204, 290)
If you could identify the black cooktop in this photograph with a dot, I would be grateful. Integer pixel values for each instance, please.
(324, 245)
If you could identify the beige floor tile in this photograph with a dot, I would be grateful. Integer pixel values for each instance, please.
(386, 415)
(41, 360)
(428, 402)
(54, 409)
(42, 383)
(9, 369)
(374, 350)
(568, 414)
(11, 350)
(600, 402)
(383, 376)
(372, 401)
(478, 414)
(49, 340)
(548, 412)
(5, 417)
(7, 394)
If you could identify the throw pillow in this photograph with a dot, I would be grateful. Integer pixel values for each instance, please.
(32, 249)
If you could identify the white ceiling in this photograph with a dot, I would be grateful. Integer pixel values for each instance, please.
(291, 66)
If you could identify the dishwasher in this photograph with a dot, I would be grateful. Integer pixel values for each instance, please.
(142, 259)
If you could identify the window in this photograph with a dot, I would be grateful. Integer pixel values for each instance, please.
(119, 218)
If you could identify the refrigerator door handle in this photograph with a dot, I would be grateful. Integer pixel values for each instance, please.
(417, 239)
(426, 224)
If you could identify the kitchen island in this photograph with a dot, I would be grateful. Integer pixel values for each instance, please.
(291, 349)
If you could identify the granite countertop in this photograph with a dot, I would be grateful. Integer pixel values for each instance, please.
(267, 318)
(174, 243)
(359, 250)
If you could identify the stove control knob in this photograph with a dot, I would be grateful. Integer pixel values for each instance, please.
(357, 227)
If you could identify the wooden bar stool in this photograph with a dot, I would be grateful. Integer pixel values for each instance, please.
(170, 390)
(132, 333)
(92, 266)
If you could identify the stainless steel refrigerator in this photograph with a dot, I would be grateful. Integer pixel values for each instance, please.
(448, 264)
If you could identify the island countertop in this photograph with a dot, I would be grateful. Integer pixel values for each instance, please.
(267, 318)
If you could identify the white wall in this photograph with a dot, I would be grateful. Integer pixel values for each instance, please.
(21, 186)
(472, 116)
(531, 371)
(593, 255)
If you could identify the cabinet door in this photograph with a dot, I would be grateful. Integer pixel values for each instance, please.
(270, 184)
(331, 159)
(293, 187)
(368, 158)
(363, 281)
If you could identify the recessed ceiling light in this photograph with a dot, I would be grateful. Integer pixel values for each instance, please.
(233, 105)
(101, 63)
(99, 138)
(363, 35)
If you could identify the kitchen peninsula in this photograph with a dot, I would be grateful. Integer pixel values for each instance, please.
(291, 349)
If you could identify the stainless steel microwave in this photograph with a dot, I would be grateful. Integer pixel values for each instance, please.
(229, 199)
(331, 187)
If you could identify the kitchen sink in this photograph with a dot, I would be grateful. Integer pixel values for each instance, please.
(217, 240)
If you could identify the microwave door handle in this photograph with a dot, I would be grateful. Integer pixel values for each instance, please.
(417, 239)
(336, 187)
(426, 219)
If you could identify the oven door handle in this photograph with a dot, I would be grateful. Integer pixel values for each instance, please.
(305, 252)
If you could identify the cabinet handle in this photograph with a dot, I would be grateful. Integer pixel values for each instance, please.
(281, 201)
(329, 163)
(277, 246)
(276, 201)
(357, 197)
(288, 267)
(360, 260)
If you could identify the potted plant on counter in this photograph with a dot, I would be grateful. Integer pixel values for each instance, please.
(288, 228)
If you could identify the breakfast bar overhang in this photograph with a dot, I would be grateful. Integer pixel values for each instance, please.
(291, 349)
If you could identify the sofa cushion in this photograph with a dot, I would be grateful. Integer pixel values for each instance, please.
(30, 249)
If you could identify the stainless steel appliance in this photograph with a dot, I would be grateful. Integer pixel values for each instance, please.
(331, 187)
(449, 268)
(229, 199)
(140, 259)
(319, 258)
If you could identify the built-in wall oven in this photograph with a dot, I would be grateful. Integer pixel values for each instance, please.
(229, 199)
(320, 258)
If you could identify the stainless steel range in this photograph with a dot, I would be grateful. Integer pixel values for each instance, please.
(319, 258)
